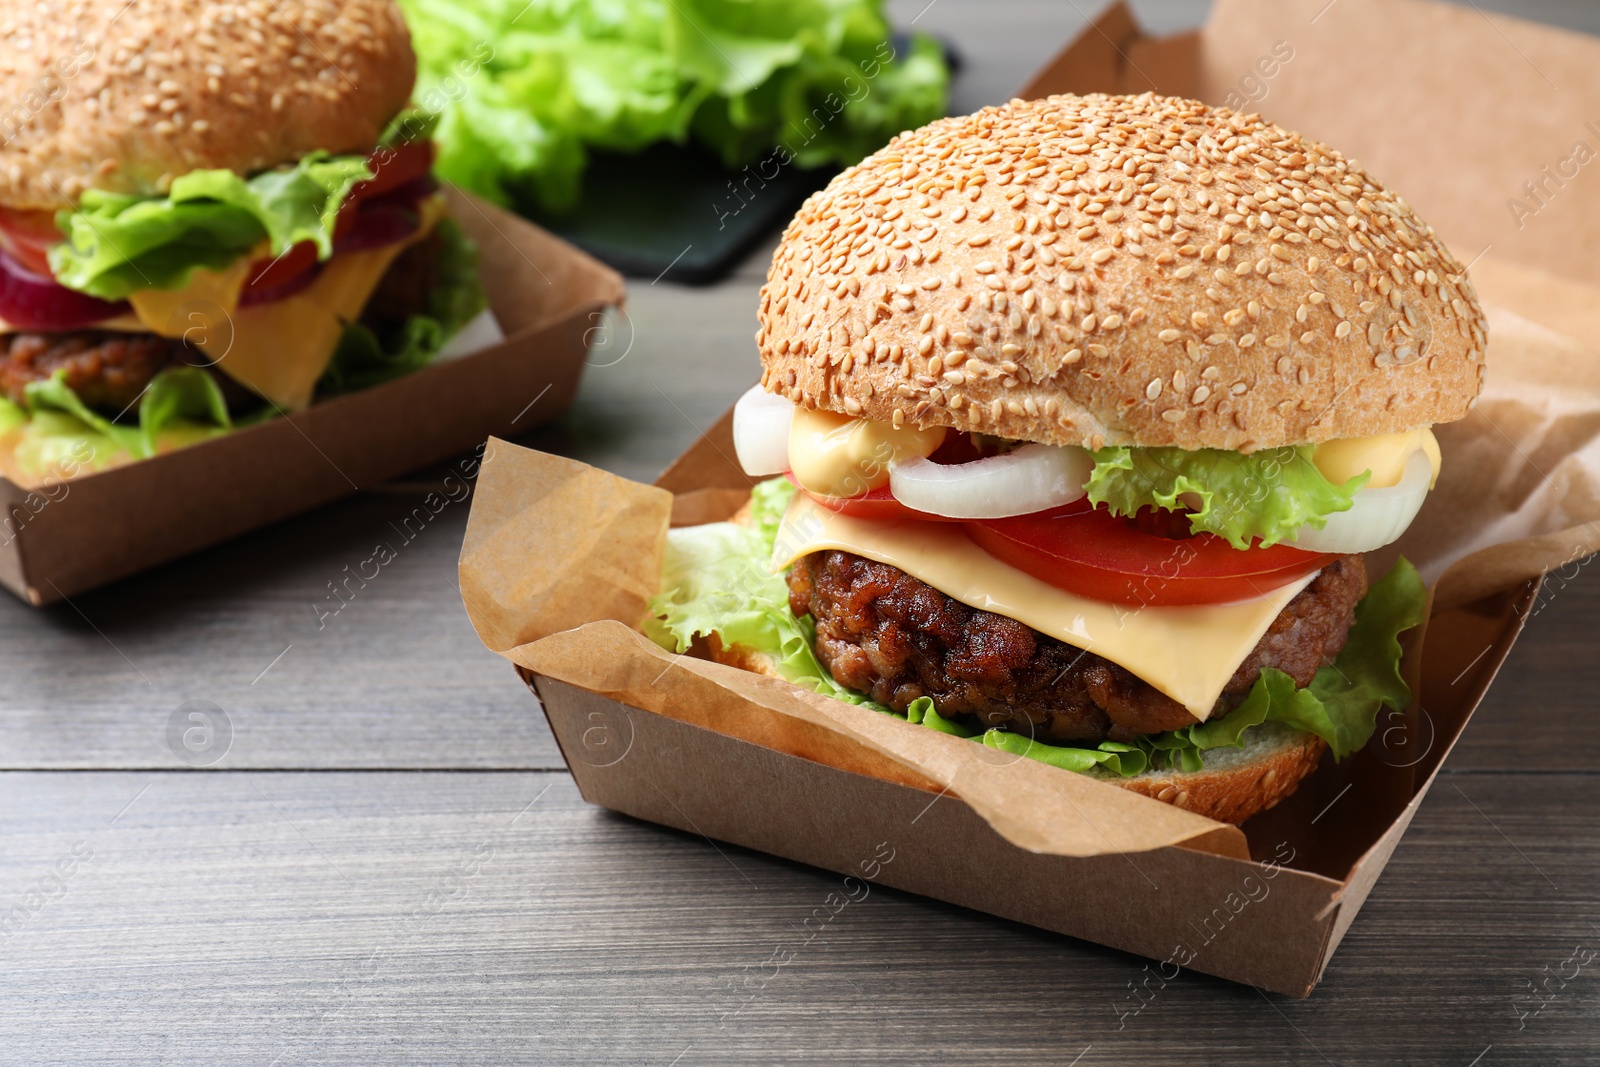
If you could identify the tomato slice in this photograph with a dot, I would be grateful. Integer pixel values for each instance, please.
(393, 169)
(28, 235)
(395, 166)
(1097, 555)
(273, 275)
(878, 505)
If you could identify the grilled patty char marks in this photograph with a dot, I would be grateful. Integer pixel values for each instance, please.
(884, 633)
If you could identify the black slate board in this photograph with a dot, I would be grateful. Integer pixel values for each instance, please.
(678, 213)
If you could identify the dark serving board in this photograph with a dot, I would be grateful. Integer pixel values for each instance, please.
(677, 212)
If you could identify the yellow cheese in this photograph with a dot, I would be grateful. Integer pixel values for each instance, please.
(279, 349)
(1188, 653)
(1385, 456)
(836, 455)
(209, 294)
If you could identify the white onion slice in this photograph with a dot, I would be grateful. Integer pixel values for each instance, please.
(761, 432)
(1033, 478)
(1377, 517)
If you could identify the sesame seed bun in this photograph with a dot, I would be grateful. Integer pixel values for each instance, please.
(1095, 270)
(124, 97)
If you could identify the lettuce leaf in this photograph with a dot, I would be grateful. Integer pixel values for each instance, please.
(57, 432)
(1266, 496)
(364, 359)
(118, 244)
(409, 127)
(524, 90)
(716, 581)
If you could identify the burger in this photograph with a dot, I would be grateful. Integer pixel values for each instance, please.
(1084, 413)
(210, 214)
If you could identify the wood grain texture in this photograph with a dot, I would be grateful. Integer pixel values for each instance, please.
(425, 918)
(361, 879)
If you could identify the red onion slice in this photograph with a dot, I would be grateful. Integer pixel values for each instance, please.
(32, 301)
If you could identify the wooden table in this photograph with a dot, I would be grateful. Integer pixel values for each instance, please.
(390, 864)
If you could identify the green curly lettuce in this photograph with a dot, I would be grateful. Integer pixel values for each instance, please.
(1266, 496)
(364, 359)
(55, 433)
(524, 90)
(117, 244)
(716, 581)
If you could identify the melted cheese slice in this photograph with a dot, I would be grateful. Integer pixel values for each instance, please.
(1384, 455)
(1188, 653)
(172, 313)
(279, 349)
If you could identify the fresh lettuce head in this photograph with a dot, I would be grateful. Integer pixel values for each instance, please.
(716, 581)
(1265, 497)
(117, 244)
(524, 90)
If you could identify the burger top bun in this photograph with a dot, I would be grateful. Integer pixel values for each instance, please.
(107, 94)
(1142, 270)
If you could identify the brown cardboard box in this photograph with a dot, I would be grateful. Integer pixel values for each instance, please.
(61, 538)
(755, 761)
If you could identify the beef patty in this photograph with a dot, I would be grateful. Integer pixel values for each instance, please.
(884, 633)
(109, 369)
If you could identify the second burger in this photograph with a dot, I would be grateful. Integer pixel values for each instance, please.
(214, 214)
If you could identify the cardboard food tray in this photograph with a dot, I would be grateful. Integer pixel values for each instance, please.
(736, 757)
(61, 538)
(1272, 920)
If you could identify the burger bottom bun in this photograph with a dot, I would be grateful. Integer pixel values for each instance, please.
(1235, 783)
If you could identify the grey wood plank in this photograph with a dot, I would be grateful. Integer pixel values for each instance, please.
(389, 673)
(1540, 714)
(389, 918)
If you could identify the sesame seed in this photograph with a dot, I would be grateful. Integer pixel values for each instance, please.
(1156, 178)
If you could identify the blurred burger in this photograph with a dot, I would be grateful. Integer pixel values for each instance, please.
(1086, 411)
(208, 212)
